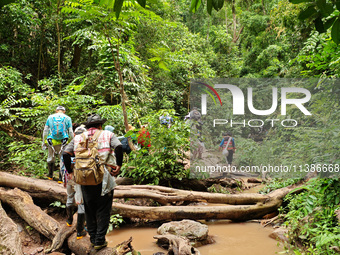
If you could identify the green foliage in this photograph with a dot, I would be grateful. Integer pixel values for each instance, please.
(163, 160)
(29, 156)
(11, 83)
(4, 155)
(324, 14)
(275, 184)
(115, 221)
(311, 216)
(57, 204)
(114, 116)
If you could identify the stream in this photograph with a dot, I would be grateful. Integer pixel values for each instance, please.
(230, 239)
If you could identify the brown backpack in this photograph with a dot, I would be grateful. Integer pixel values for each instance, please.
(87, 169)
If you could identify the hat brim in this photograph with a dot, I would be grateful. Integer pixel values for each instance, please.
(102, 121)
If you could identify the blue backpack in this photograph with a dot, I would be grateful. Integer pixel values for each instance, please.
(165, 120)
(58, 129)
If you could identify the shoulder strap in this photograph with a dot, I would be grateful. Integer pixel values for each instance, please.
(97, 134)
(228, 142)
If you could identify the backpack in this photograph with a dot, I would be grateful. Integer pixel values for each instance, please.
(165, 120)
(125, 145)
(87, 169)
(58, 129)
(195, 115)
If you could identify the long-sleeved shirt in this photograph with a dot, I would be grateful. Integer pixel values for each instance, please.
(49, 125)
(231, 145)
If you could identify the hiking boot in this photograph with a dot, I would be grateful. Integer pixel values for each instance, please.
(100, 246)
(81, 235)
(50, 171)
(80, 226)
(69, 212)
(60, 178)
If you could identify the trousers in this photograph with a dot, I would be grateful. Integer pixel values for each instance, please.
(97, 212)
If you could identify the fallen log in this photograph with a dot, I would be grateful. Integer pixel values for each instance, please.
(244, 207)
(235, 212)
(46, 189)
(37, 188)
(9, 129)
(83, 246)
(165, 195)
(10, 242)
(176, 245)
(23, 204)
(63, 233)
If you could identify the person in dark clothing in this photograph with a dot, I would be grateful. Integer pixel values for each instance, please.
(98, 198)
(228, 143)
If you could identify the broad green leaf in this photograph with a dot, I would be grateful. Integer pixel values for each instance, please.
(209, 6)
(118, 7)
(329, 23)
(325, 9)
(319, 25)
(195, 4)
(307, 13)
(142, 3)
(336, 31)
(218, 4)
(4, 2)
(299, 1)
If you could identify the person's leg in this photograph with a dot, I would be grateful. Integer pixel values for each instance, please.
(91, 197)
(103, 217)
(70, 202)
(230, 156)
(58, 151)
(50, 162)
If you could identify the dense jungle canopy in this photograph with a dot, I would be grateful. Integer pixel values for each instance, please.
(132, 61)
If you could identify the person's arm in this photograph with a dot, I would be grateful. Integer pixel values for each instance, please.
(67, 161)
(118, 149)
(221, 145)
(67, 154)
(70, 130)
(46, 131)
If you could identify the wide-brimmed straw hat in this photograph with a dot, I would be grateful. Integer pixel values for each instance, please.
(94, 119)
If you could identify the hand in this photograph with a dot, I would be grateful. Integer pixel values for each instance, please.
(115, 171)
(64, 141)
(49, 141)
(70, 176)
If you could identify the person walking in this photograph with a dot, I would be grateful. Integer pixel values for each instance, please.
(56, 133)
(228, 145)
(73, 190)
(98, 198)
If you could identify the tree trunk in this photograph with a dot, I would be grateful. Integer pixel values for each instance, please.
(121, 87)
(23, 204)
(9, 129)
(37, 188)
(238, 207)
(165, 195)
(176, 245)
(76, 56)
(83, 246)
(51, 191)
(10, 242)
(233, 9)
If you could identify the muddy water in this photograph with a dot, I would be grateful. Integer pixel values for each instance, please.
(231, 239)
